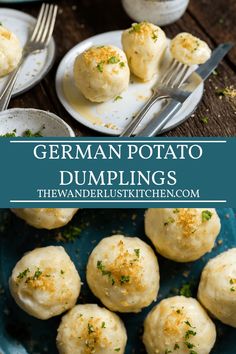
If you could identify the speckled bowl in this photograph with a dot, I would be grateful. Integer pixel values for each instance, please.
(19, 120)
(159, 12)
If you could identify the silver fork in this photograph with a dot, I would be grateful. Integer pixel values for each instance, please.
(38, 41)
(172, 78)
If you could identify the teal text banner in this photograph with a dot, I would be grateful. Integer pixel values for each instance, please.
(117, 172)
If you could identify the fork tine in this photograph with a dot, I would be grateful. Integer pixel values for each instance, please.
(52, 25)
(47, 24)
(181, 75)
(173, 74)
(168, 72)
(42, 24)
(39, 19)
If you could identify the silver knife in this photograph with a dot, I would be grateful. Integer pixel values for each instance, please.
(160, 120)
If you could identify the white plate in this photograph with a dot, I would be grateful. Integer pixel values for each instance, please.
(112, 117)
(36, 65)
(21, 119)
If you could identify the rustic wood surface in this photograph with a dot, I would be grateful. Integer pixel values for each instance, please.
(213, 21)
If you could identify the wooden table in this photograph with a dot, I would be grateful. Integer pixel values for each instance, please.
(211, 20)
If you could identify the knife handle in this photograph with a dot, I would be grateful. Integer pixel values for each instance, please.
(160, 120)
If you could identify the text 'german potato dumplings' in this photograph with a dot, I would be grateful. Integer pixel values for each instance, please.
(46, 218)
(184, 234)
(217, 288)
(90, 329)
(123, 273)
(45, 282)
(178, 325)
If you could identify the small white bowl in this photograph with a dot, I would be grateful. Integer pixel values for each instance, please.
(159, 12)
(19, 120)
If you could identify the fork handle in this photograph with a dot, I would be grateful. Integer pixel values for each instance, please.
(129, 130)
(160, 120)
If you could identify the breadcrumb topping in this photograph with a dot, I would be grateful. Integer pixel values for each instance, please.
(5, 33)
(91, 334)
(126, 270)
(143, 28)
(101, 54)
(187, 219)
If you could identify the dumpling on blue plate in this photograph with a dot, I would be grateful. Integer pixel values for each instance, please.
(46, 218)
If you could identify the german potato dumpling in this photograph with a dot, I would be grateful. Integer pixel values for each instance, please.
(144, 45)
(90, 329)
(43, 218)
(10, 51)
(123, 273)
(45, 282)
(182, 235)
(189, 50)
(101, 73)
(178, 325)
(217, 289)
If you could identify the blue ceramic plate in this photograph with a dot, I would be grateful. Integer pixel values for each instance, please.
(22, 334)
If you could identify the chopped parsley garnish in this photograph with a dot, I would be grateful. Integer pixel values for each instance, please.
(122, 64)
(176, 346)
(118, 98)
(100, 66)
(169, 221)
(204, 120)
(37, 274)
(62, 271)
(8, 135)
(189, 345)
(154, 36)
(113, 60)
(103, 270)
(186, 290)
(90, 328)
(189, 324)
(124, 279)
(227, 92)
(192, 352)
(28, 133)
(137, 252)
(189, 333)
(103, 325)
(167, 351)
(23, 274)
(70, 233)
(196, 47)
(135, 27)
(206, 215)
(232, 282)
(175, 211)
(117, 349)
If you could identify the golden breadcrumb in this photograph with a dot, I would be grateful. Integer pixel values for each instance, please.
(90, 333)
(187, 219)
(101, 54)
(126, 270)
(5, 33)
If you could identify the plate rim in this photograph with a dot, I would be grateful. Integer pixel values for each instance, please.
(51, 50)
(84, 121)
(50, 114)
